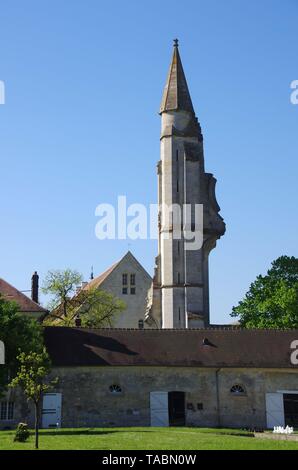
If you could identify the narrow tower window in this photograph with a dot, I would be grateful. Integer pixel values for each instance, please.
(124, 284)
(133, 284)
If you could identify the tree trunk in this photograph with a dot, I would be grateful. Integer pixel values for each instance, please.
(36, 423)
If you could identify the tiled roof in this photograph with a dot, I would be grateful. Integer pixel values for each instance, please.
(95, 283)
(9, 292)
(196, 348)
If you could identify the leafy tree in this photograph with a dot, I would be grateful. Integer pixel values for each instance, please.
(272, 300)
(18, 333)
(61, 284)
(33, 370)
(99, 308)
(95, 307)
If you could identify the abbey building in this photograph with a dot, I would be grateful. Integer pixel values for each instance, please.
(164, 364)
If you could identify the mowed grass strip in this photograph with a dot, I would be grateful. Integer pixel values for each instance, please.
(145, 439)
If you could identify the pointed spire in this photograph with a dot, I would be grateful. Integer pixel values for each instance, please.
(176, 94)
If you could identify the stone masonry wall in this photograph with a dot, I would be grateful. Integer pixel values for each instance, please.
(87, 400)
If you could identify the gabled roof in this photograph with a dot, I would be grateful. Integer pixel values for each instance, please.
(192, 348)
(26, 305)
(176, 95)
(98, 281)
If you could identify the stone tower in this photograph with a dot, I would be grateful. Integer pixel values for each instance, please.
(180, 292)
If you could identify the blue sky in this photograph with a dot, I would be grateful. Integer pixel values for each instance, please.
(84, 81)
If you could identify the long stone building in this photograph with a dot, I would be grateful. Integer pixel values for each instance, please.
(199, 377)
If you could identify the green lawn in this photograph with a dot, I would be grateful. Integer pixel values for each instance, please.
(145, 439)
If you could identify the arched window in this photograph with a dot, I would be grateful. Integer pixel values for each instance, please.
(237, 390)
(115, 389)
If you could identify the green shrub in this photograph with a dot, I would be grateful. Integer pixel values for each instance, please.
(22, 433)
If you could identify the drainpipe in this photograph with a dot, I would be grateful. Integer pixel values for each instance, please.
(217, 397)
(184, 250)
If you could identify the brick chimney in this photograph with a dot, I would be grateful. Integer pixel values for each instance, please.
(34, 287)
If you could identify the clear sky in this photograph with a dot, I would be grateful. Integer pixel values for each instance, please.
(80, 125)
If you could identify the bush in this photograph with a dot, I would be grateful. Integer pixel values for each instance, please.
(22, 433)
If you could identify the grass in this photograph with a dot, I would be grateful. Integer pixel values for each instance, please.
(145, 439)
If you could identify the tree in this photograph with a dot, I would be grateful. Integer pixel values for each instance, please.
(61, 284)
(33, 370)
(18, 333)
(272, 300)
(96, 308)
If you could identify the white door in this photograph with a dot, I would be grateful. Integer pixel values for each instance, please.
(159, 409)
(51, 410)
(275, 410)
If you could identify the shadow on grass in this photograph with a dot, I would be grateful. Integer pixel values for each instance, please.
(86, 432)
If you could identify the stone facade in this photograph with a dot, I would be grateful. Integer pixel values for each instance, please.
(87, 400)
(180, 292)
(158, 377)
(112, 281)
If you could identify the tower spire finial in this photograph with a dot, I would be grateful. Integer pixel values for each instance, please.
(176, 94)
(176, 42)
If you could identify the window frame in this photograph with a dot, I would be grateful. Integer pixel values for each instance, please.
(115, 389)
(240, 393)
(133, 279)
